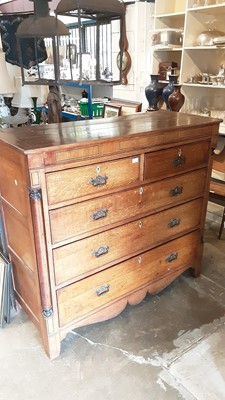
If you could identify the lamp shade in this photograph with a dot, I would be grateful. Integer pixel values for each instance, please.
(97, 7)
(41, 24)
(6, 84)
(24, 94)
(41, 27)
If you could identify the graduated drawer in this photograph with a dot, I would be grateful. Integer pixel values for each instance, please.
(89, 216)
(97, 178)
(87, 255)
(98, 291)
(175, 160)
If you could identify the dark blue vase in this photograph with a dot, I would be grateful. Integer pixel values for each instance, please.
(168, 90)
(153, 93)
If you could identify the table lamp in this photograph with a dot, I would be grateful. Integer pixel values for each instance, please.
(24, 101)
(6, 88)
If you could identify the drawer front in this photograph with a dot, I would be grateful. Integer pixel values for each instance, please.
(98, 178)
(171, 191)
(98, 291)
(79, 219)
(178, 159)
(85, 256)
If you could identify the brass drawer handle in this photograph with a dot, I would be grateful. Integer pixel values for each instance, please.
(176, 191)
(100, 214)
(101, 251)
(179, 161)
(99, 181)
(102, 290)
(172, 257)
(174, 222)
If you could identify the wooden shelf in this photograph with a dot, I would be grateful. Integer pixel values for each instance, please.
(214, 9)
(200, 85)
(167, 48)
(204, 48)
(191, 59)
(171, 15)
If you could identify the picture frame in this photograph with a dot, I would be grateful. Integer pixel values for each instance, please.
(128, 107)
(111, 110)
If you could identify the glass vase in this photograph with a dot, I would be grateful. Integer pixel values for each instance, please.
(35, 113)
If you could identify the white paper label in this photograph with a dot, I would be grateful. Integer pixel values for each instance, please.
(164, 37)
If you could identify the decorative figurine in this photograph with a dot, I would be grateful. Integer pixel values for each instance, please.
(54, 105)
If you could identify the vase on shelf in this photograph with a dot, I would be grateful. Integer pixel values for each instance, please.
(176, 99)
(153, 93)
(168, 89)
(35, 113)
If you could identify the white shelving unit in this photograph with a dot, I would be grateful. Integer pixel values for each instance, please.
(192, 59)
(171, 15)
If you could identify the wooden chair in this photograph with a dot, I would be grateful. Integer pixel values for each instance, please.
(217, 185)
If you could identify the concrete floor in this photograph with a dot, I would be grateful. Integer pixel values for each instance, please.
(169, 347)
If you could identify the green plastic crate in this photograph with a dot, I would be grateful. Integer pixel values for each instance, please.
(97, 109)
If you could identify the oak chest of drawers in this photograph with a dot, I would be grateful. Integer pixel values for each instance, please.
(98, 213)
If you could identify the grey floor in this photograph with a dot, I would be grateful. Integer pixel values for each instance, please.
(171, 346)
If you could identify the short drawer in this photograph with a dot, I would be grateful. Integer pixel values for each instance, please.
(178, 159)
(98, 291)
(85, 256)
(97, 178)
(89, 216)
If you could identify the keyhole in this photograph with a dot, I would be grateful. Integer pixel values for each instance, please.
(98, 169)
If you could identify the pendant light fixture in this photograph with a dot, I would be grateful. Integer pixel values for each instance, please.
(39, 27)
(96, 39)
(90, 51)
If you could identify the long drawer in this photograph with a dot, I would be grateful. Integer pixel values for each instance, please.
(97, 178)
(89, 216)
(176, 160)
(85, 256)
(95, 292)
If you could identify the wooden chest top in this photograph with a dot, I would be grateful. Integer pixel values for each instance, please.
(147, 126)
